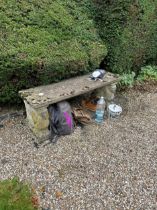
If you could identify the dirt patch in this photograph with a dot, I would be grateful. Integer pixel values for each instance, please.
(148, 86)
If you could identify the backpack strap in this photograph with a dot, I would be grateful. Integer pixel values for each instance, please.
(52, 126)
(53, 134)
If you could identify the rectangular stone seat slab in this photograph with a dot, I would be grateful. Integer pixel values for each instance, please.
(43, 96)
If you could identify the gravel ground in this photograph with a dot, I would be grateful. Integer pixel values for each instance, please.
(108, 167)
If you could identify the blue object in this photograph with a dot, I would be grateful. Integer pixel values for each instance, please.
(99, 116)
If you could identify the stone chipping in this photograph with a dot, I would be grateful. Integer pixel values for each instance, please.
(107, 167)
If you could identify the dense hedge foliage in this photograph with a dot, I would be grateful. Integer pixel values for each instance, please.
(130, 30)
(44, 41)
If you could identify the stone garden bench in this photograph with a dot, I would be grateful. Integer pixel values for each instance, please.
(39, 98)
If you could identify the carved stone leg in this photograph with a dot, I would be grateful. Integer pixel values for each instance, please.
(38, 120)
(107, 92)
(110, 93)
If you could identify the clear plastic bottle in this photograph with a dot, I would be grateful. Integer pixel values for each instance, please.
(100, 110)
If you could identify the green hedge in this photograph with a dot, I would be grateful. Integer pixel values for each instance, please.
(45, 41)
(129, 28)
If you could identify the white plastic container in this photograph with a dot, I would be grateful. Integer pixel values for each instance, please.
(114, 110)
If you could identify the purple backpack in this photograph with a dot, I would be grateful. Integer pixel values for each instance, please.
(61, 120)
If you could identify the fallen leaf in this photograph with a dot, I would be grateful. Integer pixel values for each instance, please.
(35, 201)
(59, 194)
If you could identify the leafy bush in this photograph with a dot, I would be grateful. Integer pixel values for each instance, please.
(127, 79)
(43, 42)
(15, 196)
(148, 73)
(129, 28)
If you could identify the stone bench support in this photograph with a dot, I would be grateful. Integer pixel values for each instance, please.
(38, 120)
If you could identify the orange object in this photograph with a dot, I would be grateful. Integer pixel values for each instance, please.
(90, 104)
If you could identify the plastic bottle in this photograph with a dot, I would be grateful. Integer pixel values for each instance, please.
(100, 110)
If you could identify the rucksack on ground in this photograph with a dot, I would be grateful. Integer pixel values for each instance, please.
(61, 120)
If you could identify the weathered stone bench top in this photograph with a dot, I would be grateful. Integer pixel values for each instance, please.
(45, 95)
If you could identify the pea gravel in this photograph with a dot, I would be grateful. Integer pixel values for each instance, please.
(108, 167)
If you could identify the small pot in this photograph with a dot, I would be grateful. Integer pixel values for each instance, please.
(114, 110)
